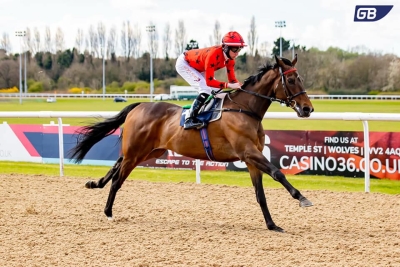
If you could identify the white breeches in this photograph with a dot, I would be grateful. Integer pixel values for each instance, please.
(192, 76)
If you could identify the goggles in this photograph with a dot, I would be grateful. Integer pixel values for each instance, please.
(236, 49)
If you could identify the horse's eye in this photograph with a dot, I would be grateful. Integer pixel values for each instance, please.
(291, 80)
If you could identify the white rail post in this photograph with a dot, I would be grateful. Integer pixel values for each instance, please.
(366, 156)
(198, 178)
(61, 146)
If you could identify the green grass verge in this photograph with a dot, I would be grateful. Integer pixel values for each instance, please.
(366, 106)
(242, 179)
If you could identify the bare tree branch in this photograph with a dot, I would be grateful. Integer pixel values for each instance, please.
(252, 37)
(217, 36)
(59, 40)
(167, 40)
(180, 38)
(101, 37)
(112, 42)
(136, 40)
(79, 40)
(92, 42)
(36, 41)
(47, 41)
(5, 43)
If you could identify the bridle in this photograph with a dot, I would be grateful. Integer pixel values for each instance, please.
(289, 96)
(289, 102)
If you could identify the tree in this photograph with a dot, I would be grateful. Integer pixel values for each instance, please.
(101, 38)
(5, 43)
(8, 73)
(285, 46)
(130, 40)
(217, 37)
(65, 59)
(36, 41)
(93, 42)
(136, 41)
(47, 61)
(79, 40)
(264, 49)
(180, 38)
(394, 75)
(252, 37)
(124, 42)
(167, 40)
(47, 41)
(59, 40)
(112, 43)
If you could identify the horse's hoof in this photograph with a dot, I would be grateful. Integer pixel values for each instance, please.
(305, 203)
(89, 184)
(110, 218)
(276, 228)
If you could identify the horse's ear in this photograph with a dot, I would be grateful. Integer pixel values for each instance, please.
(276, 58)
(294, 61)
(279, 61)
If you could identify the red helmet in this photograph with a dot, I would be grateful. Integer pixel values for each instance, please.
(233, 39)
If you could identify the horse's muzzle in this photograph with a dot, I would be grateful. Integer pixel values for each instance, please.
(303, 112)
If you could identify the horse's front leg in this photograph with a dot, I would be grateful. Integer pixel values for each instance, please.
(256, 158)
(256, 178)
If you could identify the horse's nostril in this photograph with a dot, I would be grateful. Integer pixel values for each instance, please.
(307, 110)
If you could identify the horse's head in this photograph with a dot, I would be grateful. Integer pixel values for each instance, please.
(289, 88)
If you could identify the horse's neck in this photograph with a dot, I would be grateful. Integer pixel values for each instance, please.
(251, 102)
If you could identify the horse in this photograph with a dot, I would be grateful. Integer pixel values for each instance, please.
(152, 128)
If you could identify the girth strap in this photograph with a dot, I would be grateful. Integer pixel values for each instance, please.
(206, 143)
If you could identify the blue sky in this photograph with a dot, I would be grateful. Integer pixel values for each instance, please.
(313, 23)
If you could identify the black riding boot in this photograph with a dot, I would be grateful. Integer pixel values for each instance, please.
(192, 122)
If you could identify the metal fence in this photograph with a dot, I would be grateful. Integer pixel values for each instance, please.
(148, 96)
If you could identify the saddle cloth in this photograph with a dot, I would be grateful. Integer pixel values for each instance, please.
(209, 113)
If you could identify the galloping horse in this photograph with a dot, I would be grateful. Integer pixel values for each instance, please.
(152, 128)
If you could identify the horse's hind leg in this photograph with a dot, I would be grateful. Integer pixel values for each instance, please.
(256, 178)
(104, 180)
(118, 178)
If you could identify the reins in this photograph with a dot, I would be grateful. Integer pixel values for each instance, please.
(289, 102)
(274, 99)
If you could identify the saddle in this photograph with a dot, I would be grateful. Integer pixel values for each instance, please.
(208, 113)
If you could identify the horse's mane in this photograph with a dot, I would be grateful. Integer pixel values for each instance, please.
(262, 70)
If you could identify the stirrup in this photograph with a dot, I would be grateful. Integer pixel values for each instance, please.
(190, 124)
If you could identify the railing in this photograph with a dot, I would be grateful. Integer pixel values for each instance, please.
(148, 96)
(348, 116)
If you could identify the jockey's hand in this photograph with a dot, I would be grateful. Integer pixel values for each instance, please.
(234, 85)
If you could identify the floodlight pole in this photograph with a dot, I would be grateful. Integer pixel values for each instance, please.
(20, 34)
(151, 29)
(25, 83)
(280, 24)
(104, 72)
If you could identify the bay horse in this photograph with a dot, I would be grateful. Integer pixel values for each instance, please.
(152, 128)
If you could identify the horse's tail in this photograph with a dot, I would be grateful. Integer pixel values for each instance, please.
(88, 136)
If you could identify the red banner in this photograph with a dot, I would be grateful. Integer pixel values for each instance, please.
(331, 153)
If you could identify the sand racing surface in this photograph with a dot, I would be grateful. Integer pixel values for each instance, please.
(56, 221)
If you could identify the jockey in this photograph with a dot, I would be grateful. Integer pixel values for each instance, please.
(197, 67)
